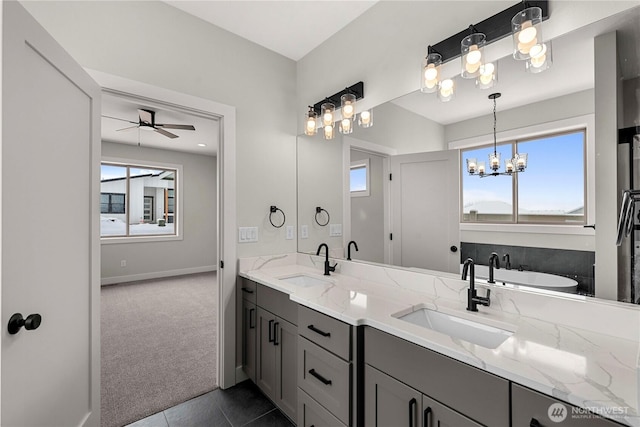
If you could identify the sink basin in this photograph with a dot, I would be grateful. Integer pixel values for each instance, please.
(304, 280)
(457, 327)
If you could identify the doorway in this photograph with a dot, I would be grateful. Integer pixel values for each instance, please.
(225, 117)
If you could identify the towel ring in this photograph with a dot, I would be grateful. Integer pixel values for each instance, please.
(274, 209)
(318, 211)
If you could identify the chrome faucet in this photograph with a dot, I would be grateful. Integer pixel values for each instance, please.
(507, 260)
(494, 262)
(472, 296)
(328, 268)
(355, 245)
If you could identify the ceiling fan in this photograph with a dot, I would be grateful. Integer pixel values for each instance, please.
(147, 120)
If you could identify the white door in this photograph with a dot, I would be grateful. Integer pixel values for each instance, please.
(49, 254)
(425, 200)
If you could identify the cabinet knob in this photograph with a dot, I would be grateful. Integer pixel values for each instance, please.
(31, 323)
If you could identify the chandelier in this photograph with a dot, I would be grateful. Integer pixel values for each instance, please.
(511, 166)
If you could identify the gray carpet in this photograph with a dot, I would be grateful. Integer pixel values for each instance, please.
(158, 345)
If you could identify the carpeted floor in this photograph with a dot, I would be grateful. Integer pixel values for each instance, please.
(158, 345)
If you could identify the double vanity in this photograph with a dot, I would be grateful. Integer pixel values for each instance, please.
(373, 345)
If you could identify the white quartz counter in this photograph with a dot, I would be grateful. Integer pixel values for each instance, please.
(577, 349)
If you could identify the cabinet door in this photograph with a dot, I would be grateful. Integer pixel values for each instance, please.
(286, 344)
(435, 414)
(249, 344)
(266, 357)
(390, 403)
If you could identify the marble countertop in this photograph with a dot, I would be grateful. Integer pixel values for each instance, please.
(586, 367)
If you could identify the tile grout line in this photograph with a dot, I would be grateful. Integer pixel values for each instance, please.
(258, 417)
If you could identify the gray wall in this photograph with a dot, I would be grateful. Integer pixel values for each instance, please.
(154, 43)
(367, 213)
(197, 250)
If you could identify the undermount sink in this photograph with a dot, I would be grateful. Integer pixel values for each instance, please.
(457, 327)
(304, 280)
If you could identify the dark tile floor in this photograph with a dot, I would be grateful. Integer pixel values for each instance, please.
(241, 405)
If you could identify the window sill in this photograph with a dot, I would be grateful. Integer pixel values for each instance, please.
(138, 239)
(529, 228)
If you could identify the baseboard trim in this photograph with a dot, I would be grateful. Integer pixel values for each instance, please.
(156, 275)
(240, 375)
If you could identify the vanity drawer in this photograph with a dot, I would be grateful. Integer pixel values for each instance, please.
(312, 414)
(248, 289)
(277, 303)
(325, 331)
(325, 377)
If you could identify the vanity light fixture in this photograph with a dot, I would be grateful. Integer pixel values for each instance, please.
(515, 165)
(326, 109)
(526, 30)
(472, 53)
(310, 124)
(430, 73)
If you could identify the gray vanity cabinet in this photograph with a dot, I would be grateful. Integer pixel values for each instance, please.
(531, 408)
(473, 394)
(277, 349)
(390, 403)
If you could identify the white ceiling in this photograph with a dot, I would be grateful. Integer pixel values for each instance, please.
(207, 130)
(291, 28)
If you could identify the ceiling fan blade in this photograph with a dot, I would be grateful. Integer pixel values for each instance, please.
(146, 116)
(165, 133)
(128, 128)
(117, 118)
(183, 127)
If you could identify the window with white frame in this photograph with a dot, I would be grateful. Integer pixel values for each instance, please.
(359, 178)
(137, 200)
(552, 189)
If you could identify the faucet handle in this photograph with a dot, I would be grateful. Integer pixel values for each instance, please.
(333, 267)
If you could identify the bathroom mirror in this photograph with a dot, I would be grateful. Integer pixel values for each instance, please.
(419, 123)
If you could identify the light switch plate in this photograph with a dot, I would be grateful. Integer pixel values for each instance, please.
(304, 232)
(247, 234)
(335, 230)
(289, 232)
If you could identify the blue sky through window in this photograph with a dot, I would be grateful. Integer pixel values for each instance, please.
(358, 179)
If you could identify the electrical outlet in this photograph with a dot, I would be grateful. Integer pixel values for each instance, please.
(289, 232)
(123, 263)
(304, 232)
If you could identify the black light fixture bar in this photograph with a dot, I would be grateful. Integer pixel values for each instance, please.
(356, 89)
(494, 28)
(625, 136)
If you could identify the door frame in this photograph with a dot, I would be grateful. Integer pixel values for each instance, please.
(386, 153)
(226, 199)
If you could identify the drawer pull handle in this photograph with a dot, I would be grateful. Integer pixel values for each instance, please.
(247, 290)
(275, 333)
(252, 319)
(271, 330)
(535, 423)
(427, 417)
(318, 331)
(320, 378)
(412, 404)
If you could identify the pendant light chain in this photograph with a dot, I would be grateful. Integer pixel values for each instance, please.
(494, 127)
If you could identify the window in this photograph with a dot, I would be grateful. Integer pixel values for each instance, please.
(550, 191)
(112, 203)
(359, 178)
(149, 210)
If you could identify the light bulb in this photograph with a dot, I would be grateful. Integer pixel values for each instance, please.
(365, 116)
(311, 126)
(430, 73)
(328, 132)
(538, 55)
(347, 110)
(327, 118)
(472, 68)
(528, 33)
(474, 56)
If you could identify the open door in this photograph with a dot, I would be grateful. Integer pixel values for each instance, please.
(425, 200)
(50, 248)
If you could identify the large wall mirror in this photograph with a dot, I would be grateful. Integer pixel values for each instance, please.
(396, 188)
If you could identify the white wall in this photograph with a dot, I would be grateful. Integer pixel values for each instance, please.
(386, 44)
(155, 43)
(197, 250)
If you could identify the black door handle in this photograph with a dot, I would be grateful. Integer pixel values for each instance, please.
(247, 290)
(427, 417)
(320, 378)
(252, 322)
(30, 323)
(318, 331)
(275, 333)
(412, 403)
(270, 330)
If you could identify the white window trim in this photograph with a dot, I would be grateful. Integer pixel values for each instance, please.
(574, 123)
(180, 212)
(358, 164)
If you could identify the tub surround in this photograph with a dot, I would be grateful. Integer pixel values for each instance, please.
(578, 349)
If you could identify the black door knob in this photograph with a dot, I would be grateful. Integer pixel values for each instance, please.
(453, 249)
(30, 323)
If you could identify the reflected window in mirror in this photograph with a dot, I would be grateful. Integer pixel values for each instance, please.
(552, 190)
(359, 178)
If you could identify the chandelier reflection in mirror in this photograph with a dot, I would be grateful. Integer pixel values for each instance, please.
(511, 166)
(325, 111)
